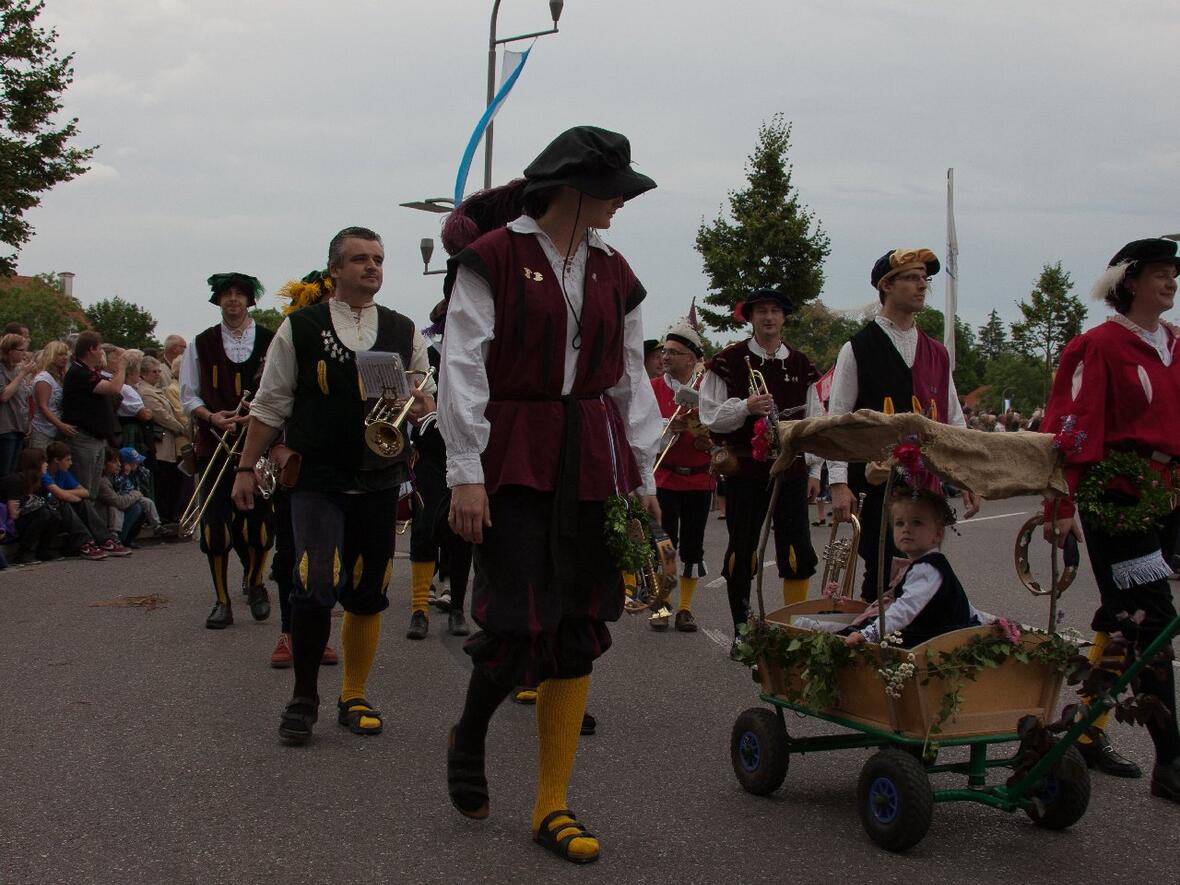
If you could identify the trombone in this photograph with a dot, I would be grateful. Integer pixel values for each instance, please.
(383, 433)
(680, 407)
(222, 456)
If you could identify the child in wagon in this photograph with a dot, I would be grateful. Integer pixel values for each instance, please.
(929, 600)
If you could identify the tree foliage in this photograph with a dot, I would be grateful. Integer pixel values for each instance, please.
(1016, 375)
(1052, 318)
(267, 317)
(123, 323)
(993, 337)
(769, 239)
(34, 150)
(968, 365)
(820, 332)
(43, 306)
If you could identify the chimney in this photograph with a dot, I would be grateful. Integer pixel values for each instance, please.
(67, 282)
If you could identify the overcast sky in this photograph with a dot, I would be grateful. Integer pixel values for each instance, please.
(241, 134)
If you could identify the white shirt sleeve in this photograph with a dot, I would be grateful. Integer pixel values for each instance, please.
(190, 380)
(275, 400)
(815, 409)
(720, 412)
(841, 401)
(636, 401)
(463, 387)
(921, 583)
(954, 408)
(420, 362)
(132, 402)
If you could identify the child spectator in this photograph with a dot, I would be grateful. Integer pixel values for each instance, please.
(64, 488)
(124, 507)
(38, 518)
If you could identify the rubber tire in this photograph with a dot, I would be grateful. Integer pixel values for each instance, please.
(1069, 785)
(758, 751)
(904, 777)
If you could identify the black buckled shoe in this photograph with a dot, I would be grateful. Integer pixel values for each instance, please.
(418, 626)
(259, 602)
(457, 623)
(299, 716)
(220, 618)
(1100, 755)
(1165, 781)
(685, 622)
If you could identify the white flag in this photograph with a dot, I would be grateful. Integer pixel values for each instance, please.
(952, 270)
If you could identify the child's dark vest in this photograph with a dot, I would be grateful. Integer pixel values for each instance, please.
(327, 425)
(787, 380)
(884, 381)
(947, 610)
(531, 422)
(222, 380)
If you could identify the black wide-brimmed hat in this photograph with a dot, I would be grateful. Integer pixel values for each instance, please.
(650, 346)
(1156, 250)
(764, 294)
(595, 161)
(897, 261)
(219, 282)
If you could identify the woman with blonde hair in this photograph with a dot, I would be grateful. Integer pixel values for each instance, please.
(47, 425)
(168, 430)
(16, 373)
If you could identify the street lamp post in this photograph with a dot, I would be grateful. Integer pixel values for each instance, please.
(555, 7)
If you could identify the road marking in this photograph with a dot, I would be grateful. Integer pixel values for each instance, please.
(963, 522)
(719, 582)
(718, 637)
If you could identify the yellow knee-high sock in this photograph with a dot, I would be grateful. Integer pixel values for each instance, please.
(421, 574)
(219, 570)
(1095, 658)
(561, 704)
(794, 590)
(358, 647)
(688, 586)
(629, 583)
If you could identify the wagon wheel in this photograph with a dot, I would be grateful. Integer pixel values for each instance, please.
(895, 800)
(758, 750)
(1064, 795)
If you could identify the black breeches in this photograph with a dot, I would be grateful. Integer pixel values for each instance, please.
(747, 501)
(685, 515)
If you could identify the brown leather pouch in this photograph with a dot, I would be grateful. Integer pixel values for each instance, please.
(288, 461)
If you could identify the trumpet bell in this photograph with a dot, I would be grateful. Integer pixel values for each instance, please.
(384, 440)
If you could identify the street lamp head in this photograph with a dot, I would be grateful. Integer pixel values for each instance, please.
(427, 248)
(555, 7)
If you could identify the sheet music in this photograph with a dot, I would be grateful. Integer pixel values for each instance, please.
(382, 372)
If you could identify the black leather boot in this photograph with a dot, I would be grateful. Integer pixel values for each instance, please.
(259, 603)
(220, 618)
(1165, 781)
(457, 623)
(418, 626)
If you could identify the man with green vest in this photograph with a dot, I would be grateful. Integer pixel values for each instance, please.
(344, 504)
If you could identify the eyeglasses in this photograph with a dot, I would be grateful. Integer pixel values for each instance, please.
(915, 277)
(676, 352)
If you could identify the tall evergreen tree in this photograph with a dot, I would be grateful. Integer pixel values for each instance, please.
(34, 148)
(769, 238)
(993, 337)
(123, 323)
(1052, 318)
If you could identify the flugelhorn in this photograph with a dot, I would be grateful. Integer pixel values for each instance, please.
(383, 434)
(839, 557)
(218, 462)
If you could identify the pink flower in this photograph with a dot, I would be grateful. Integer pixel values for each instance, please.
(831, 589)
(1010, 630)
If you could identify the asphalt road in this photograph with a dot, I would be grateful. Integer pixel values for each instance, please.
(136, 746)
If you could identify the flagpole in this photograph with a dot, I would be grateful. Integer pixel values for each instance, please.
(952, 270)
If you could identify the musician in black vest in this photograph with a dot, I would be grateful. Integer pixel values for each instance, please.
(344, 504)
(220, 366)
(732, 411)
(891, 366)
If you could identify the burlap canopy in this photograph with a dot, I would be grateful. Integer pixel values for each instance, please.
(994, 465)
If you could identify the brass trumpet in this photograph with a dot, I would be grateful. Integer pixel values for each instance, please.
(758, 388)
(681, 406)
(222, 456)
(383, 433)
(839, 557)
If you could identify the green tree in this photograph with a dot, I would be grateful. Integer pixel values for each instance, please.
(1016, 375)
(123, 324)
(993, 337)
(769, 239)
(968, 366)
(820, 332)
(43, 306)
(34, 145)
(1052, 318)
(267, 317)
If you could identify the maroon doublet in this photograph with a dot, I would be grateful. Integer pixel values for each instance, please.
(545, 585)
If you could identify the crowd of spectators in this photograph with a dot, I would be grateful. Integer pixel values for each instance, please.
(94, 447)
(1008, 422)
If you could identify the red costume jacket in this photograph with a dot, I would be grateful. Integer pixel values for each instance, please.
(685, 468)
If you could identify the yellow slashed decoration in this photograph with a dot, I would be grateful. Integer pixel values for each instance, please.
(215, 376)
(358, 570)
(388, 574)
(791, 558)
(336, 567)
(321, 376)
(303, 568)
(887, 408)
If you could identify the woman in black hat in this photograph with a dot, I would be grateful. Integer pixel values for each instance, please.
(1116, 401)
(546, 411)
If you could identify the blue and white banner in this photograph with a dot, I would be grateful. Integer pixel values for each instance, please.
(512, 65)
